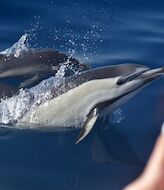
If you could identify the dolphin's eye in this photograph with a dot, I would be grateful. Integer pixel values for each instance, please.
(121, 81)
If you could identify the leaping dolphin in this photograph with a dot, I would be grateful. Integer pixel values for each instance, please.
(31, 67)
(91, 94)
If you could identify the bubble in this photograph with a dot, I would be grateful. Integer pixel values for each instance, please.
(116, 117)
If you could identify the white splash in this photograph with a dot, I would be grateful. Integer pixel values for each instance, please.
(18, 47)
(12, 109)
(116, 117)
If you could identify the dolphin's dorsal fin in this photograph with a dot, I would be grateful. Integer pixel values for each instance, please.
(88, 124)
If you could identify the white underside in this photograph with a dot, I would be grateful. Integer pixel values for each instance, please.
(71, 108)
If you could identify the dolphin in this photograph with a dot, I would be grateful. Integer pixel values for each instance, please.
(90, 94)
(31, 67)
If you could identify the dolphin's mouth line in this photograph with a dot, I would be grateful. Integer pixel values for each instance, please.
(151, 75)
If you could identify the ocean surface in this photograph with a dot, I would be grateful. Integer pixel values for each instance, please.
(98, 33)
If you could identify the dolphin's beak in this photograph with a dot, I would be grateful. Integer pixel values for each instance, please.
(138, 80)
(144, 75)
(151, 75)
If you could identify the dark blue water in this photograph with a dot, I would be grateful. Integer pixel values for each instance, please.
(100, 33)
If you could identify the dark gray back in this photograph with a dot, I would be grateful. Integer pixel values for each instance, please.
(107, 72)
(98, 73)
(48, 59)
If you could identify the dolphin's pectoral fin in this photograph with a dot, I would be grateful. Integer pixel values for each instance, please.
(88, 124)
